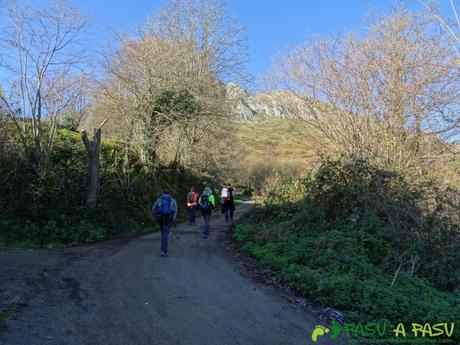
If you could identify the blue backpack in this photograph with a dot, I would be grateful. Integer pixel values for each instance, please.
(164, 206)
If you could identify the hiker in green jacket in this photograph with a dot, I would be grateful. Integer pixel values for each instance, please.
(206, 203)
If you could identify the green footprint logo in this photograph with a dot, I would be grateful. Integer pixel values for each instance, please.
(318, 331)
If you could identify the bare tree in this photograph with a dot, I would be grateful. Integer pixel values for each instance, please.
(452, 27)
(165, 82)
(41, 55)
(214, 40)
(392, 95)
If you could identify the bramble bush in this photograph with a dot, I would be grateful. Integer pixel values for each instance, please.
(370, 242)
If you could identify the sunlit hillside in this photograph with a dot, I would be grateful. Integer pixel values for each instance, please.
(278, 138)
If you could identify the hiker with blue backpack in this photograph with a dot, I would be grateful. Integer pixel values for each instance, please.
(206, 204)
(165, 211)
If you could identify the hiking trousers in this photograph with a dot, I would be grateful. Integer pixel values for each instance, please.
(228, 215)
(192, 214)
(206, 218)
(164, 236)
(165, 224)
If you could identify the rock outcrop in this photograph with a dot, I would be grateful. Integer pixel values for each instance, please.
(281, 104)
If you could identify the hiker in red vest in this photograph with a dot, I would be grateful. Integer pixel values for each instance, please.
(192, 204)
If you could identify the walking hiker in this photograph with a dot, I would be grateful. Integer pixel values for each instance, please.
(206, 204)
(192, 204)
(228, 201)
(165, 211)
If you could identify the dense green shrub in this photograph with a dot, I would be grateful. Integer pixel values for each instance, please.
(368, 241)
(47, 207)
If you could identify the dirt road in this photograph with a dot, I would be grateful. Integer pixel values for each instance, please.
(123, 292)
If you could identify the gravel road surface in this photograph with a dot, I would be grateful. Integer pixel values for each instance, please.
(123, 292)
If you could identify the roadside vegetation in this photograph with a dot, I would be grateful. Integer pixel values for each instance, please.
(51, 209)
(365, 240)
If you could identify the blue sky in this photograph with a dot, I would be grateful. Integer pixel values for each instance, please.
(270, 24)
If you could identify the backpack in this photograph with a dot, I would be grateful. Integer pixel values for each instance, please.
(224, 195)
(190, 197)
(230, 193)
(205, 204)
(164, 206)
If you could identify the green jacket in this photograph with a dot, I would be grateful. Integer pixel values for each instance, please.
(211, 198)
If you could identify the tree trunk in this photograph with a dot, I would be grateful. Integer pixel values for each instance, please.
(93, 149)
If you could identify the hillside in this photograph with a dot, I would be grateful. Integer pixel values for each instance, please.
(270, 145)
(281, 138)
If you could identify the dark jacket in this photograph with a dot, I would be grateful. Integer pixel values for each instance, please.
(228, 204)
